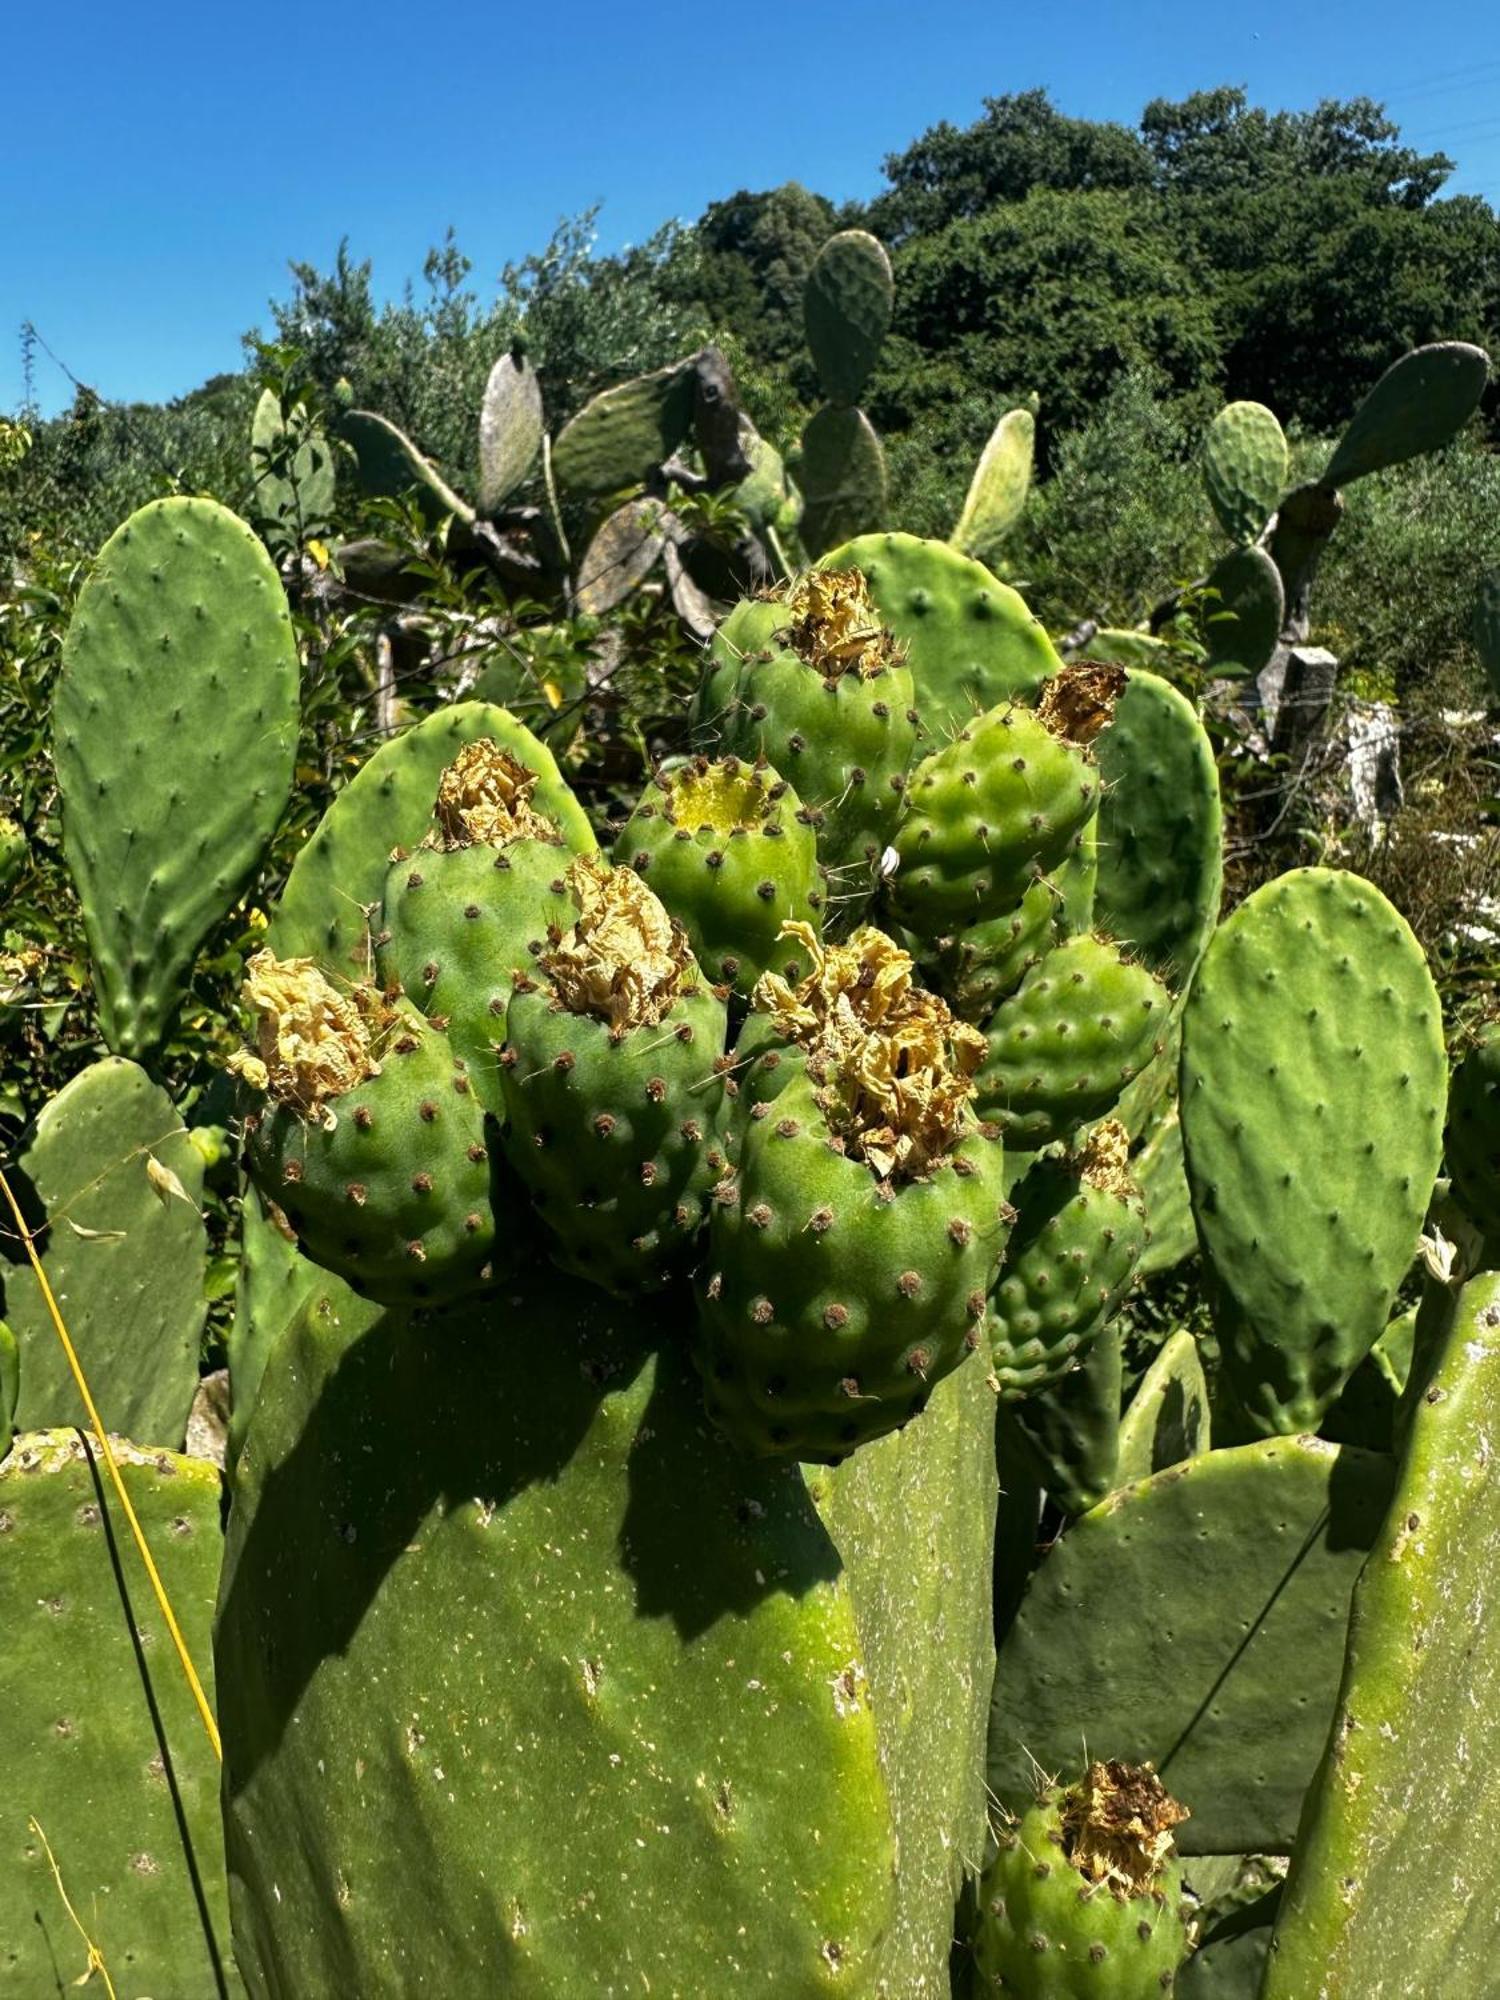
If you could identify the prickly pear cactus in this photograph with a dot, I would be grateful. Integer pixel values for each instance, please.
(104, 1748)
(1472, 1142)
(1241, 616)
(841, 471)
(625, 432)
(1388, 1893)
(293, 471)
(10, 1385)
(1312, 1089)
(997, 493)
(1068, 1433)
(120, 1183)
(174, 731)
(1166, 1421)
(1084, 1897)
(847, 307)
(1244, 468)
(1419, 403)
(510, 428)
(390, 467)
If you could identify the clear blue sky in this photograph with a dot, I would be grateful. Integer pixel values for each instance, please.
(161, 162)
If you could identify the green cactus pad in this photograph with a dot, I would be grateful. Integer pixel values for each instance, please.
(1079, 1233)
(623, 1699)
(1160, 830)
(620, 437)
(174, 732)
(1486, 626)
(510, 429)
(1419, 403)
(622, 554)
(121, 1183)
(390, 467)
(1472, 1142)
(1080, 1026)
(1229, 1960)
(828, 1309)
(104, 1747)
(1001, 805)
(10, 1385)
(997, 492)
(1069, 1430)
(841, 472)
(837, 724)
(846, 305)
(1390, 1888)
(919, 1569)
(765, 496)
(984, 963)
(1241, 616)
(1312, 1087)
(730, 851)
(338, 879)
(1166, 1420)
(293, 480)
(1053, 1927)
(1229, 1690)
(1159, 1172)
(273, 1280)
(970, 640)
(1244, 468)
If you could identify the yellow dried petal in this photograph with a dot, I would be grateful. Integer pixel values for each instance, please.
(1117, 1826)
(625, 961)
(1104, 1160)
(836, 625)
(313, 1043)
(484, 799)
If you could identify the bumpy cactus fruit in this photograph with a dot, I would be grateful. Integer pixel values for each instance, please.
(729, 849)
(1244, 468)
(174, 732)
(1080, 1231)
(370, 1138)
(1472, 1143)
(1312, 1088)
(613, 1085)
(1084, 1899)
(1081, 1025)
(104, 1749)
(466, 912)
(971, 640)
(983, 963)
(850, 1255)
(817, 685)
(847, 307)
(1001, 805)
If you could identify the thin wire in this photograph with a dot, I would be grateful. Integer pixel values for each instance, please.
(210, 1726)
(96, 1957)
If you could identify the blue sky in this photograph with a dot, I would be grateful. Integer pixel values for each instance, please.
(162, 162)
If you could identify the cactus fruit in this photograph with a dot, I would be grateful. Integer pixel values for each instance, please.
(1244, 604)
(850, 1256)
(1080, 1231)
(1081, 1025)
(1084, 1896)
(1160, 830)
(1166, 1420)
(842, 474)
(971, 641)
(467, 911)
(613, 1085)
(331, 903)
(1312, 1087)
(1390, 1885)
(1419, 404)
(1001, 805)
(997, 492)
(1472, 1143)
(622, 435)
(1228, 1690)
(105, 1756)
(369, 1136)
(121, 1185)
(983, 964)
(730, 851)
(816, 685)
(847, 308)
(174, 732)
(1244, 468)
(510, 428)
(390, 467)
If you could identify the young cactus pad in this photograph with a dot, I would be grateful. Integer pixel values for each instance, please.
(174, 731)
(1312, 1091)
(1244, 468)
(997, 492)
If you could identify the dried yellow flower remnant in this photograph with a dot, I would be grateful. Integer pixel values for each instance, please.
(313, 1043)
(484, 798)
(836, 626)
(1117, 1826)
(894, 1065)
(625, 960)
(1079, 701)
(1103, 1160)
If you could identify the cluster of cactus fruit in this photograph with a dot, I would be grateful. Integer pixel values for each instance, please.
(652, 1254)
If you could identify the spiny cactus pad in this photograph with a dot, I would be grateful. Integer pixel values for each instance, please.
(971, 640)
(842, 475)
(10, 1385)
(847, 308)
(626, 431)
(121, 1185)
(1389, 1891)
(1244, 468)
(1244, 603)
(273, 1280)
(104, 1747)
(1227, 1690)
(292, 467)
(174, 731)
(997, 492)
(1419, 403)
(1312, 1089)
(983, 964)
